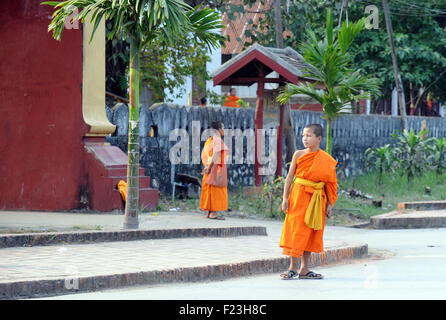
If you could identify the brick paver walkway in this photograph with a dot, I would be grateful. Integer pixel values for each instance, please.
(58, 261)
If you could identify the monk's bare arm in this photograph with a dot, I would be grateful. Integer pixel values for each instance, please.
(208, 168)
(289, 179)
(214, 159)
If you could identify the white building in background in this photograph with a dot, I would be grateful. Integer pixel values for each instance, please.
(394, 102)
(442, 110)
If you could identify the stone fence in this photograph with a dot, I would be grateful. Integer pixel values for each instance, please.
(352, 135)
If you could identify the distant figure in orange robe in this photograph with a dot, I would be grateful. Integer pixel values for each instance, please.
(214, 186)
(309, 194)
(231, 100)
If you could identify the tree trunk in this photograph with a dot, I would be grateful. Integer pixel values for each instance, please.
(412, 106)
(329, 137)
(278, 23)
(421, 92)
(132, 203)
(288, 129)
(399, 85)
(288, 133)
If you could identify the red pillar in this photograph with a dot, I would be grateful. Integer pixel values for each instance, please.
(258, 126)
(280, 142)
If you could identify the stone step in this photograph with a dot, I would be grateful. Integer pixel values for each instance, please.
(144, 182)
(118, 172)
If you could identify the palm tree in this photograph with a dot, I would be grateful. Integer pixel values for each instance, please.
(330, 66)
(141, 21)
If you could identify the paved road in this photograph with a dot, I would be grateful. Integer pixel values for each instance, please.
(404, 264)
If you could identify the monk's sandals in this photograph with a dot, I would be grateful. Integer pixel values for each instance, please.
(310, 275)
(290, 274)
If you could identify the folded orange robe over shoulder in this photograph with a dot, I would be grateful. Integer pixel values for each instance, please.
(231, 101)
(315, 182)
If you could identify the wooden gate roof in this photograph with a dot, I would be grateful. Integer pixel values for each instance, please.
(245, 68)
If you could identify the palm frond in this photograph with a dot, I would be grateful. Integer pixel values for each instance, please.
(349, 32)
(206, 26)
(302, 88)
(329, 28)
(357, 83)
(165, 20)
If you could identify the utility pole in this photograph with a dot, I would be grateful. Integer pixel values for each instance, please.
(284, 110)
(398, 82)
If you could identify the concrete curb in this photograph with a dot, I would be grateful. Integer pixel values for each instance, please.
(42, 239)
(422, 205)
(52, 287)
(405, 221)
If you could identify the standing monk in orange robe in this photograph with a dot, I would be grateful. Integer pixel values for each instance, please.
(309, 194)
(231, 100)
(214, 186)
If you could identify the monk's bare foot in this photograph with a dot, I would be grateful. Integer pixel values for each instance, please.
(288, 275)
(215, 216)
(304, 271)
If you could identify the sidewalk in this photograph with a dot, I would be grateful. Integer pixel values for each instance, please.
(65, 268)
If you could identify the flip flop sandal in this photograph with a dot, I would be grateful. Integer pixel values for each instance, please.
(290, 274)
(216, 218)
(310, 275)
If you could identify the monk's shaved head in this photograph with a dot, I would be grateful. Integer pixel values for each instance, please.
(315, 128)
(217, 125)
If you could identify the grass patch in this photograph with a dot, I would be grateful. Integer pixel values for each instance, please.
(395, 188)
(165, 203)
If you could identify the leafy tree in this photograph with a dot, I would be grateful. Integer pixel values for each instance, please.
(421, 60)
(332, 68)
(415, 24)
(142, 22)
(297, 16)
(166, 70)
(117, 63)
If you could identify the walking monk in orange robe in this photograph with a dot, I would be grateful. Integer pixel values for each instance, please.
(231, 100)
(309, 194)
(214, 187)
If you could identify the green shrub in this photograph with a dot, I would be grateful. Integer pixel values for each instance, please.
(381, 159)
(412, 151)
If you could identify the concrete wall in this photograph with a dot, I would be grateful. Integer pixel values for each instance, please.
(352, 135)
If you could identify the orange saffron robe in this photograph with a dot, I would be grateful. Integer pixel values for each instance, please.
(122, 187)
(212, 198)
(231, 101)
(297, 237)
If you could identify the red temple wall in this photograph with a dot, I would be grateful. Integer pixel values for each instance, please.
(41, 124)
